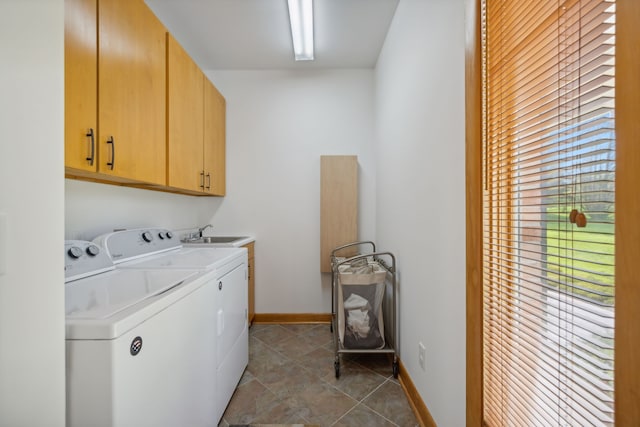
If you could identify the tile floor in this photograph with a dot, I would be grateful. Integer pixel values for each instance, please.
(291, 380)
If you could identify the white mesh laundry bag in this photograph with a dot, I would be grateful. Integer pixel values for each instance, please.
(360, 295)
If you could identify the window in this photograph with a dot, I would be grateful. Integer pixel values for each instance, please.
(548, 212)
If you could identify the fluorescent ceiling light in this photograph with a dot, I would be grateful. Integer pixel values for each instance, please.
(301, 18)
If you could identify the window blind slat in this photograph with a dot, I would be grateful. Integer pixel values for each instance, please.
(597, 337)
(586, 382)
(549, 78)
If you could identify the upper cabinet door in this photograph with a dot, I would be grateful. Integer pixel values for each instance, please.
(81, 84)
(214, 140)
(132, 85)
(185, 100)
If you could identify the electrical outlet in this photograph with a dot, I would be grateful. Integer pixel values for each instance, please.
(421, 355)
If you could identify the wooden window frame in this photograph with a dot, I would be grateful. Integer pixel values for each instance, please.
(627, 227)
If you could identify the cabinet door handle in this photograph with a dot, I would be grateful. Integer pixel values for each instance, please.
(92, 140)
(220, 322)
(112, 163)
(208, 181)
(220, 285)
(202, 180)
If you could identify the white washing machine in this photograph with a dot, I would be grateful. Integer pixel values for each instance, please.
(139, 343)
(158, 249)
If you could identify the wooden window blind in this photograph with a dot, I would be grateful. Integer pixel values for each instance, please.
(548, 212)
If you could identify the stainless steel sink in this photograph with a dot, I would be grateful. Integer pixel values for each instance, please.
(217, 239)
(222, 239)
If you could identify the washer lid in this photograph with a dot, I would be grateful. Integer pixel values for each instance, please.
(189, 258)
(103, 295)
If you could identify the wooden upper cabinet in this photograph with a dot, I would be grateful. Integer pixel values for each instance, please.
(185, 107)
(161, 121)
(214, 140)
(132, 87)
(196, 126)
(81, 84)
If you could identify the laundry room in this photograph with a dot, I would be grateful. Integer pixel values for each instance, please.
(397, 85)
(279, 122)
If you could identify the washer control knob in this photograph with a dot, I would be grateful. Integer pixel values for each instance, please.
(169, 235)
(93, 250)
(75, 252)
(161, 235)
(147, 237)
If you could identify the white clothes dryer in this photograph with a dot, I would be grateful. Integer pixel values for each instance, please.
(158, 249)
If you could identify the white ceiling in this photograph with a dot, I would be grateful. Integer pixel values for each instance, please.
(254, 34)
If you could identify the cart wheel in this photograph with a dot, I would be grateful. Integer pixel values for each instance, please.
(395, 370)
(336, 365)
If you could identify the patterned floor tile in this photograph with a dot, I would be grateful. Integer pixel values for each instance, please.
(362, 416)
(265, 361)
(280, 414)
(274, 425)
(321, 332)
(291, 380)
(299, 329)
(390, 401)
(319, 362)
(272, 334)
(248, 402)
(287, 380)
(296, 347)
(355, 380)
(321, 403)
(330, 345)
(381, 363)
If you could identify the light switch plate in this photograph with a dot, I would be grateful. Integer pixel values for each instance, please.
(3, 243)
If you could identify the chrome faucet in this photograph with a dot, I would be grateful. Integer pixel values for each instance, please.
(201, 229)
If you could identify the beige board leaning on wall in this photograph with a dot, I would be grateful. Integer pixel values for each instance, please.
(338, 205)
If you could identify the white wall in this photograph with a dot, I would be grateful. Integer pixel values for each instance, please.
(420, 200)
(279, 123)
(32, 365)
(92, 209)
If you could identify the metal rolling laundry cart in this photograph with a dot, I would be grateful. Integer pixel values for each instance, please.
(364, 289)
(339, 254)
